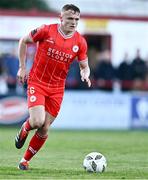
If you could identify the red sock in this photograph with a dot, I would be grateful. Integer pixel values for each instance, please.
(27, 125)
(35, 144)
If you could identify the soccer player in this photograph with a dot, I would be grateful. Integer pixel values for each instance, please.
(57, 47)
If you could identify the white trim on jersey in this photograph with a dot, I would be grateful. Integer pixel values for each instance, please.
(63, 34)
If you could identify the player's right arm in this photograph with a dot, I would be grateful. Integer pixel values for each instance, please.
(22, 57)
(35, 35)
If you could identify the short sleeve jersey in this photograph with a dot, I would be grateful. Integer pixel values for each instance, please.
(55, 53)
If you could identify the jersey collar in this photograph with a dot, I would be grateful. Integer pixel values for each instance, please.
(63, 34)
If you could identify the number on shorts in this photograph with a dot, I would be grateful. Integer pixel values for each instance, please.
(32, 90)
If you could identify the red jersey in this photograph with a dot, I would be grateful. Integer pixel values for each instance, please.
(55, 53)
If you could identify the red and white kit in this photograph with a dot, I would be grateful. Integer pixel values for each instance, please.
(55, 53)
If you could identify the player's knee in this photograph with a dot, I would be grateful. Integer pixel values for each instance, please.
(37, 122)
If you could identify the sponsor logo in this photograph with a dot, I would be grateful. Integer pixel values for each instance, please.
(59, 55)
(13, 110)
(75, 48)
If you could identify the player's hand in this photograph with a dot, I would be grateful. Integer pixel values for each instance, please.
(85, 77)
(87, 80)
(21, 75)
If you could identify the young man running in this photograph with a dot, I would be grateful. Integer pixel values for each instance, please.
(57, 47)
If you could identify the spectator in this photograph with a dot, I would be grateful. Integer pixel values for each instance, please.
(105, 73)
(146, 79)
(139, 70)
(124, 74)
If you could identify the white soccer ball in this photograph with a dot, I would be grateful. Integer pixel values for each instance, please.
(95, 162)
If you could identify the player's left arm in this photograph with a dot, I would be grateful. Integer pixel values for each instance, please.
(85, 72)
(83, 62)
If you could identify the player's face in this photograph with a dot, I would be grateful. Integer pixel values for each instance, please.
(69, 21)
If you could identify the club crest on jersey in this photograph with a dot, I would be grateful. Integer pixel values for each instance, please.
(75, 48)
(32, 98)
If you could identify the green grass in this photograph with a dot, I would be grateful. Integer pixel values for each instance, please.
(62, 155)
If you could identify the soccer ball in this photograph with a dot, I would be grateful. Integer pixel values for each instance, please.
(95, 162)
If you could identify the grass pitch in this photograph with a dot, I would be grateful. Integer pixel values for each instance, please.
(62, 155)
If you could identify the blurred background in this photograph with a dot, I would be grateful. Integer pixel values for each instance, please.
(117, 36)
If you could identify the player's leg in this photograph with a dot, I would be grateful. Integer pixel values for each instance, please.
(52, 107)
(36, 118)
(36, 142)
